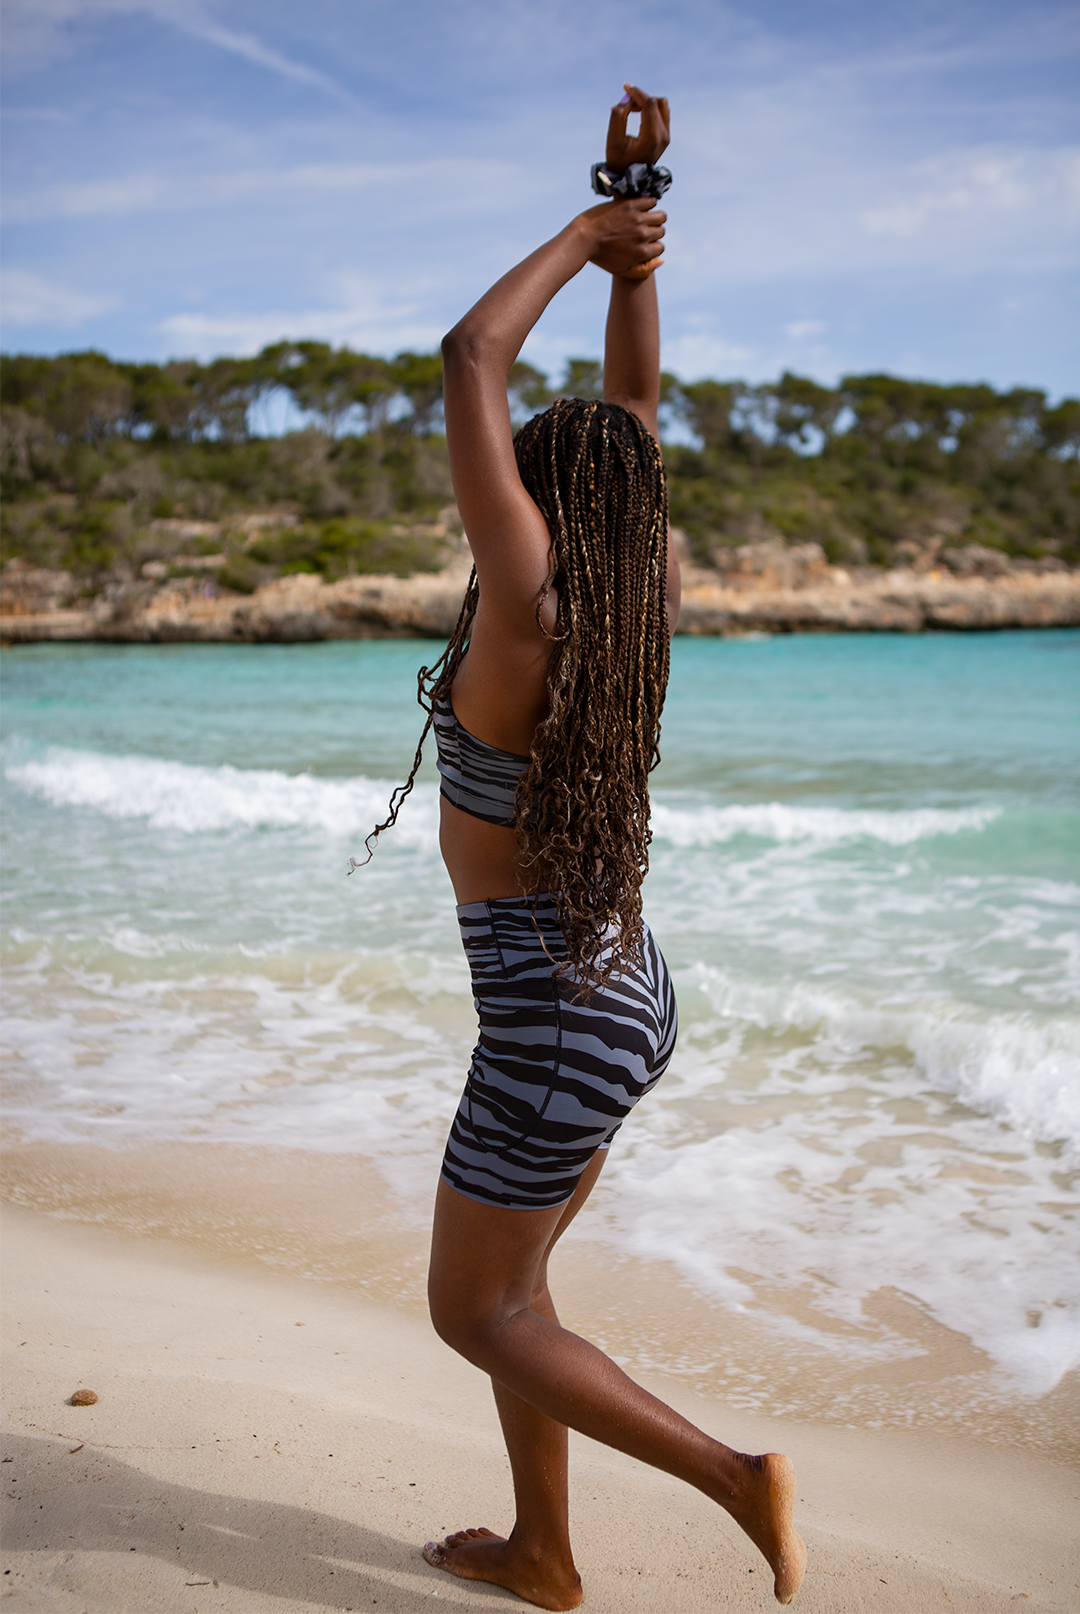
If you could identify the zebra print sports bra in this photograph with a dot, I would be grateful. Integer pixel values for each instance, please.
(478, 778)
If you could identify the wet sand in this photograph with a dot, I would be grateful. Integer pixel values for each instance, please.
(277, 1422)
(330, 1218)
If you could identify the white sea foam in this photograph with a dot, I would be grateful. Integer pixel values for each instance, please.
(826, 1162)
(332, 1052)
(1021, 1071)
(198, 800)
(842, 1169)
(783, 1205)
(777, 821)
(835, 1006)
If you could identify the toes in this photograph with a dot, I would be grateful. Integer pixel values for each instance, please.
(437, 1553)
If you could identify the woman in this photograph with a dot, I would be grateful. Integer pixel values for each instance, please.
(547, 729)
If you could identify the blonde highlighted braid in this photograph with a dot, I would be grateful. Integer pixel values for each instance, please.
(582, 806)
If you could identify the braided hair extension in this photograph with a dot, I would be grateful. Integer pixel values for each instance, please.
(431, 684)
(598, 478)
(582, 806)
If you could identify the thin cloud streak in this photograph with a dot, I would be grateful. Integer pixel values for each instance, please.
(147, 193)
(27, 299)
(39, 31)
(372, 314)
(191, 20)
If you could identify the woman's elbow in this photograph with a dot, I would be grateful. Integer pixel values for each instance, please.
(464, 346)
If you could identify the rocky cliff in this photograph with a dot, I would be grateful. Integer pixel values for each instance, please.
(759, 588)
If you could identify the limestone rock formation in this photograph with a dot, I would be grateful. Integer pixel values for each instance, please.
(761, 588)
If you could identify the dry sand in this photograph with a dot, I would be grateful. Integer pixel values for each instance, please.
(265, 1443)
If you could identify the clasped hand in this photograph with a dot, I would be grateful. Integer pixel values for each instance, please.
(630, 234)
(651, 140)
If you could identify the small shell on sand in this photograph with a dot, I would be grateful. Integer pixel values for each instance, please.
(83, 1398)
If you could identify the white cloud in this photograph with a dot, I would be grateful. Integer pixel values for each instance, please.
(443, 178)
(371, 315)
(785, 187)
(698, 353)
(27, 299)
(800, 329)
(983, 190)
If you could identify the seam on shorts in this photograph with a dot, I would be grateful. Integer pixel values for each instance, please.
(557, 1062)
(495, 938)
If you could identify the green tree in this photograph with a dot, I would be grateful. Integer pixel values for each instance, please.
(319, 379)
(419, 376)
(583, 378)
(83, 396)
(165, 398)
(528, 391)
(227, 390)
(1060, 429)
(803, 408)
(706, 407)
(373, 389)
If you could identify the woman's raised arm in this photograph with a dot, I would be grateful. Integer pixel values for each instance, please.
(632, 339)
(632, 349)
(509, 537)
(632, 377)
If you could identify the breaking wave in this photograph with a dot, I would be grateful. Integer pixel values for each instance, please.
(196, 800)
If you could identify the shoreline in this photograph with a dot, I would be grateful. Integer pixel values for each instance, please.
(329, 1219)
(302, 608)
(261, 1438)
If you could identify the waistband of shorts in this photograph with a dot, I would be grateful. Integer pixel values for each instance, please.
(512, 937)
(526, 929)
(540, 902)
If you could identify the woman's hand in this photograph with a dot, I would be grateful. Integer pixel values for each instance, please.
(627, 237)
(650, 143)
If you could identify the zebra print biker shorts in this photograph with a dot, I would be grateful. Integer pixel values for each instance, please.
(551, 1079)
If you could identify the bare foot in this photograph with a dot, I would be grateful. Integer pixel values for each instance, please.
(764, 1507)
(482, 1555)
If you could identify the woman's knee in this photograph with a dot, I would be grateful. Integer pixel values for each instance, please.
(461, 1320)
(473, 1323)
(487, 1266)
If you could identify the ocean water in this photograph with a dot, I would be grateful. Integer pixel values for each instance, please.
(865, 876)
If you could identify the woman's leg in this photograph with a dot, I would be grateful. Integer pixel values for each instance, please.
(486, 1263)
(536, 1561)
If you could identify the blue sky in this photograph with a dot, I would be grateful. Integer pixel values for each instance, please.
(857, 187)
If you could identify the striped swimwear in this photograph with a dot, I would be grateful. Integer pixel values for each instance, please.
(478, 778)
(552, 1076)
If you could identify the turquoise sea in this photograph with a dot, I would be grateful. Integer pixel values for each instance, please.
(866, 878)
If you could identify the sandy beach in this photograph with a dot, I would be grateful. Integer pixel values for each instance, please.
(842, 1227)
(262, 1439)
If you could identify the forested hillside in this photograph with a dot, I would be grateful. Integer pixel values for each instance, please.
(107, 467)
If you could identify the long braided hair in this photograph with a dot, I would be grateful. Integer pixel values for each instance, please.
(582, 805)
